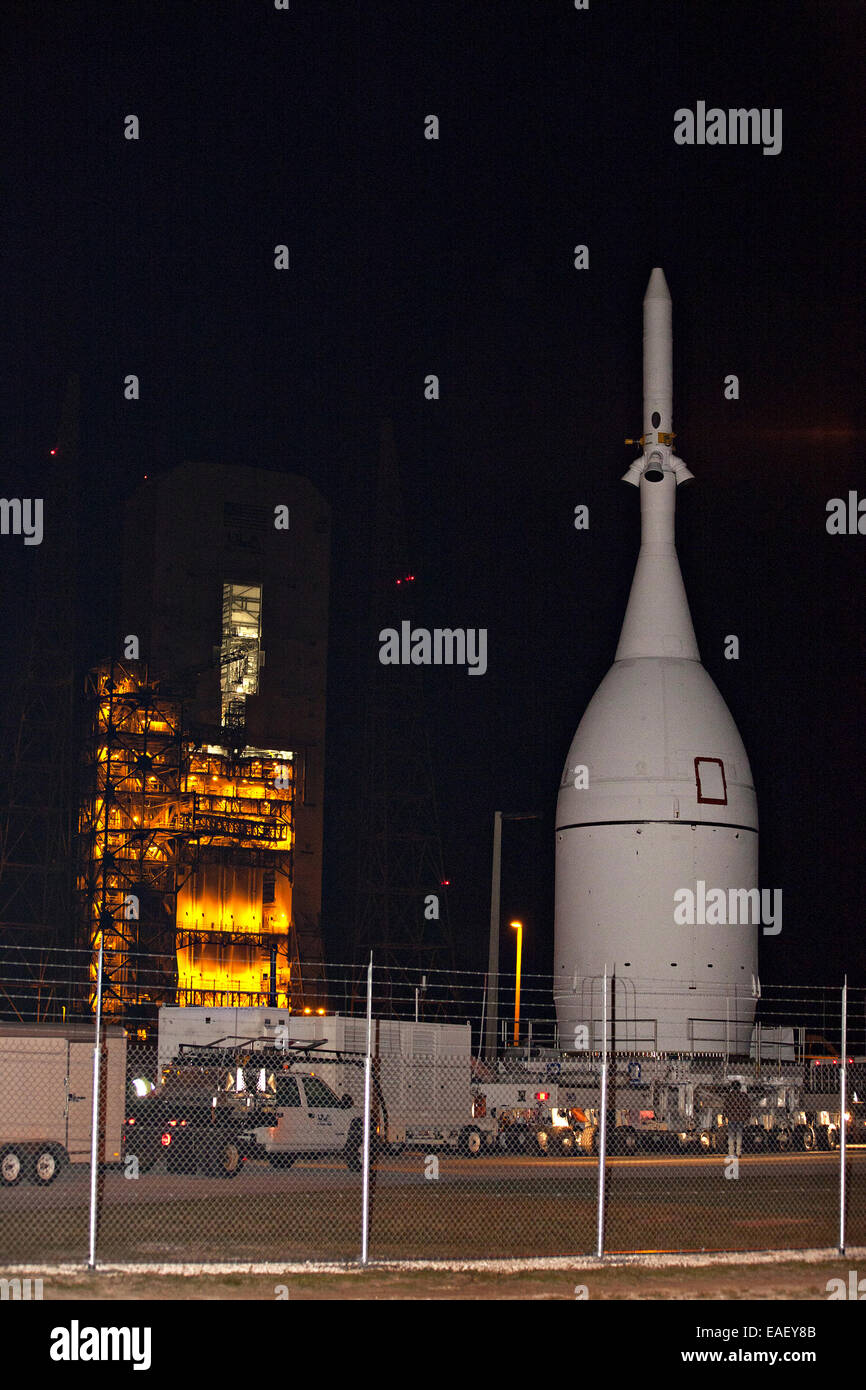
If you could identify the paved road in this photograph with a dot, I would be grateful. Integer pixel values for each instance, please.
(497, 1206)
(329, 1175)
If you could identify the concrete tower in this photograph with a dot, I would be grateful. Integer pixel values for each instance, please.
(656, 798)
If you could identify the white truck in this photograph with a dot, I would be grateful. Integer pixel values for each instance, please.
(308, 1121)
(46, 1098)
(422, 1071)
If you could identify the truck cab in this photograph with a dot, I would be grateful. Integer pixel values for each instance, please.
(309, 1121)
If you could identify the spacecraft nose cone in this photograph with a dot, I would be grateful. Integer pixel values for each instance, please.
(656, 798)
(658, 286)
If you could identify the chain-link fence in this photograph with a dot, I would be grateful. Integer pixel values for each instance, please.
(237, 1133)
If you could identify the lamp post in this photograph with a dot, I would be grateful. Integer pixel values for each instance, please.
(519, 926)
(491, 1025)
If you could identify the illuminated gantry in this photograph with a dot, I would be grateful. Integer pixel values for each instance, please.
(128, 833)
(186, 857)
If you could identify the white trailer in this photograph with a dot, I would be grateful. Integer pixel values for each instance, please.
(423, 1070)
(46, 1098)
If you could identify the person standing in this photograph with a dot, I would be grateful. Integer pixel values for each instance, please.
(737, 1112)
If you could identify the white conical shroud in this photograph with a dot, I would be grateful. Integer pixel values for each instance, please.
(656, 797)
(657, 620)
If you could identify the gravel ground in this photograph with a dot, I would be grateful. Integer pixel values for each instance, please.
(767, 1278)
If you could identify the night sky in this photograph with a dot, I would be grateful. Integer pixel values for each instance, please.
(411, 256)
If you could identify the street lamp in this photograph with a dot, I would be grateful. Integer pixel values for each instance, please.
(491, 1022)
(519, 926)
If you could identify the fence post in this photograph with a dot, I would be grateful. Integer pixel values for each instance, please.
(365, 1164)
(602, 1127)
(843, 1123)
(94, 1121)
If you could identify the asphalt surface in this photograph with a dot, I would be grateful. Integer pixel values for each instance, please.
(467, 1207)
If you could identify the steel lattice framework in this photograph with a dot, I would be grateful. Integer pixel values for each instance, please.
(129, 833)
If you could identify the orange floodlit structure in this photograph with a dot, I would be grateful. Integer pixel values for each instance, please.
(186, 857)
(234, 909)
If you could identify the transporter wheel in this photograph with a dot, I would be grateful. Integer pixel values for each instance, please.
(624, 1140)
(755, 1139)
(587, 1140)
(11, 1167)
(566, 1143)
(805, 1138)
(46, 1166)
(832, 1137)
(782, 1141)
(706, 1141)
(542, 1141)
(470, 1141)
(229, 1161)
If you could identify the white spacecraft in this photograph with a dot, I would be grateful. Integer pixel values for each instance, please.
(666, 801)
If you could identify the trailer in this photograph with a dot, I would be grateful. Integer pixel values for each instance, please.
(46, 1098)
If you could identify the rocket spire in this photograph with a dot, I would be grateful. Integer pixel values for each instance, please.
(657, 620)
(657, 360)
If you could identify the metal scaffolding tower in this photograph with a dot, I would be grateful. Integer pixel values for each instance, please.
(185, 858)
(129, 834)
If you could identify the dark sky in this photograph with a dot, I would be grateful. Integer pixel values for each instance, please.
(411, 256)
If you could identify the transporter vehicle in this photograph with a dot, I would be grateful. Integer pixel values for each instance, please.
(529, 1119)
(556, 1132)
(46, 1098)
(817, 1122)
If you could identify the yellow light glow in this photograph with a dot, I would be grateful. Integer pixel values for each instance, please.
(519, 926)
